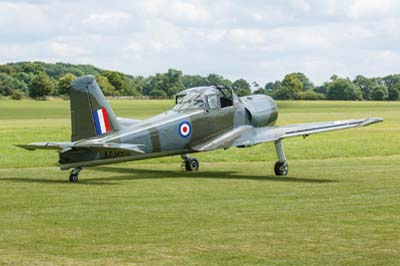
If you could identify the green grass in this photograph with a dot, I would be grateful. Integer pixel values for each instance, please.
(340, 204)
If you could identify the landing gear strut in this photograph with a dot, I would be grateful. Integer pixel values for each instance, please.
(73, 176)
(281, 166)
(191, 164)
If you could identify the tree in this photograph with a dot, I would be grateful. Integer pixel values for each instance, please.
(242, 87)
(116, 79)
(173, 82)
(334, 77)
(290, 88)
(29, 67)
(323, 89)
(170, 83)
(305, 81)
(107, 88)
(311, 95)
(343, 89)
(365, 85)
(64, 84)
(134, 85)
(18, 95)
(7, 69)
(190, 81)
(261, 91)
(41, 86)
(8, 84)
(379, 93)
(270, 86)
(391, 80)
(394, 93)
(214, 79)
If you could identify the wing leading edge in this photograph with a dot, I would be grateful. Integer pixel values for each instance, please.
(246, 136)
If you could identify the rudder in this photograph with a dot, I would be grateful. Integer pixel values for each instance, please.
(91, 115)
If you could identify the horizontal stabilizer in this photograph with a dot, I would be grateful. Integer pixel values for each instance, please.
(45, 146)
(67, 146)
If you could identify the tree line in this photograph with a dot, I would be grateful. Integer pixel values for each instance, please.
(39, 80)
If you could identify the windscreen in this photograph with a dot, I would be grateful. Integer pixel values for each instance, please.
(189, 101)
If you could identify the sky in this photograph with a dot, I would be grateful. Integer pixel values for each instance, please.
(257, 40)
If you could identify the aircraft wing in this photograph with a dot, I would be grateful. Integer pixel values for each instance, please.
(246, 136)
(67, 146)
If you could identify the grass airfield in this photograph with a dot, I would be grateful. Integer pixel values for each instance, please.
(340, 204)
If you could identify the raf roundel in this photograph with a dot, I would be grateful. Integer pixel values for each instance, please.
(185, 129)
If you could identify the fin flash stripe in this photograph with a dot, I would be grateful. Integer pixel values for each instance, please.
(101, 122)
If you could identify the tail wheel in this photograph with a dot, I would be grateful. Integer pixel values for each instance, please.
(191, 164)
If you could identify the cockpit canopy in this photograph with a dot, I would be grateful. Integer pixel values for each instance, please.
(210, 98)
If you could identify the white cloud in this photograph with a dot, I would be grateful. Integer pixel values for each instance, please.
(256, 40)
(176, 10)
(63, 49)
(373, 8)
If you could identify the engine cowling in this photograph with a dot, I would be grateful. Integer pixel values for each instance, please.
(262, 110)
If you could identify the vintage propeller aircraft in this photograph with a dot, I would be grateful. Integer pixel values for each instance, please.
(203, 119)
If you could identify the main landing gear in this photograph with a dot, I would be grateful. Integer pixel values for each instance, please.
(73, 176)
(281, 166)
(190, 164)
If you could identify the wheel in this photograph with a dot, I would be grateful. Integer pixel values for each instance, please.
(191, 164)
(73, 176)
(281, 168)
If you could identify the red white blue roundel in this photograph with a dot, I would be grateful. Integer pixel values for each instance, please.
(185, 129)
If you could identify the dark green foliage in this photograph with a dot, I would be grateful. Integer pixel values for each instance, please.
(307, 84)
(290, 88)
(190, 81)
(311, 95)
(260, 91)
(214, 79)
(323, 89)
(173, 82)
(8, 84)
(117, 80)
(365, 85)
(379, 93)
(391, 80)
(285, 93)
(41, 86)
(270, 86)
(394, 93)
(64, 83)
(20, 76)
(7, 69)
(170, 83)
(107, 88)
(242, 87)
(343, 89)
(18, 95)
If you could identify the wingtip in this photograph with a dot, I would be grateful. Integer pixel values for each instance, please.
(371, 120)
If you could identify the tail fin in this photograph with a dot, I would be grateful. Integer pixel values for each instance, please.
(91, 115)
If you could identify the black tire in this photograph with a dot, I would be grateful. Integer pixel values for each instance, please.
(192, 164)
(73, 176)
(281, 168)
